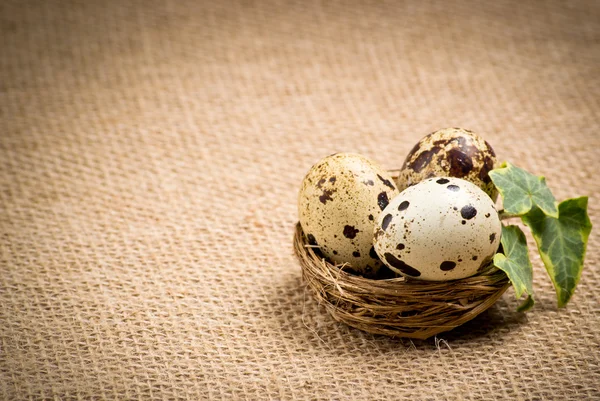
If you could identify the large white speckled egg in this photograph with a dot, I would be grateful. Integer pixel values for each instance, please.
(450, 152)
(439, 229)
(340, 199)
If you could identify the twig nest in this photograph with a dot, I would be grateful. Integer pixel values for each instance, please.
(398, 307)
(438, 228)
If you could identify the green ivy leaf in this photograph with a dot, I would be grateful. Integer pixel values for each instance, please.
(516, 264)
(521, 191)
(562, 243)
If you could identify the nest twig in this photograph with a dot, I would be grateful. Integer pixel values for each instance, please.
(397, 307)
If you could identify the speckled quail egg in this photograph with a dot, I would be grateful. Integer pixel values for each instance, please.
(340, 199)
(440, 229)
(452, 152)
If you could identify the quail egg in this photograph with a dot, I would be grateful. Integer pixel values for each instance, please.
(452, 152)
(440, 229)
(340, 199)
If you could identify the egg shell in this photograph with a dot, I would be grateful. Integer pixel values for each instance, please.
(439, 229)
(452, 152)
(339, 201)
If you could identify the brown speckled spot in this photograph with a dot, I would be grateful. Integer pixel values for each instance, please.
(386, 221)
(321, 182)
(371, 217)
(488, 165)
(492, 237)
(382, 200)
(412, 152)
(372, 253)
(463, 222)
(403, 206)
(369, 182)
(447, 266)
(468, 212)
(424, 159)
(490, 149)
(326, 196)
(335, 252)
(356, 254)
(443, 181)
(474, 257)
(400, 247)
(461, 163)
(350, 232)
(400, 265)
(487, 215)
(387, 183)
(332, 180)
(467, 146)
(462, 141)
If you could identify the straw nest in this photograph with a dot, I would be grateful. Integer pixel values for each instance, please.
(397, 307)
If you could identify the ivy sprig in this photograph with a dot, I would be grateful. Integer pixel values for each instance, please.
(516, 264)
(560, 230)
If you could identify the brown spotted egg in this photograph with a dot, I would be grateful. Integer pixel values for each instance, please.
(439, 229)
(452, 152)
(340, 199)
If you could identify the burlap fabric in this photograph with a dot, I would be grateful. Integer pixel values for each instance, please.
(150, 157)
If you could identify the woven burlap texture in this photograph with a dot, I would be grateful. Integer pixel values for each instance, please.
(150, 158)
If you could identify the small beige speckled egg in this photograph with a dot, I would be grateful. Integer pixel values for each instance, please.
(340, 199)
(439, 229)
(452, 152)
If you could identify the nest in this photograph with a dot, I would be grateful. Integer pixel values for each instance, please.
(398, 307)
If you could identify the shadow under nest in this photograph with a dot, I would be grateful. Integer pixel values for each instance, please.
(397, 307)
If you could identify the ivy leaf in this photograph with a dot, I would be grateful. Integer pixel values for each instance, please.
(521, 191)
(562, 243)
(516, 264)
